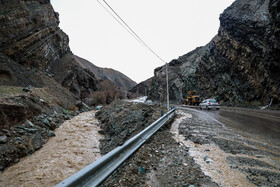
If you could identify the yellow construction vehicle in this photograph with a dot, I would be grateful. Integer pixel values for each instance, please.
(193, 99)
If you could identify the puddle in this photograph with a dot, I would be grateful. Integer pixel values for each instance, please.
(211, 158)
(75, 146)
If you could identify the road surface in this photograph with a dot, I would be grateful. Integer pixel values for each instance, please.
(247, 139)
(261, 124)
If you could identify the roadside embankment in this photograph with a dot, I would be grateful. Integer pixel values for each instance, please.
(122, 120)
(161, 161)
(28, 117)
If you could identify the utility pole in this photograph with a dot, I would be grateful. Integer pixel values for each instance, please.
(131, 32)
(145, 91)
(167, 89)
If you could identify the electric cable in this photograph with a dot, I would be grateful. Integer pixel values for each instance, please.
(131, 30)
(120, 23)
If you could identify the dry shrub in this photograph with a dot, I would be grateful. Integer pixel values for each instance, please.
(98, 98)
(73, 108)
(107, 93)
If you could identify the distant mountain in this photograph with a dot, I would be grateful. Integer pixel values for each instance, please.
(118, 78)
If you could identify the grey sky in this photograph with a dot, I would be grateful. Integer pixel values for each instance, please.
(170, 27)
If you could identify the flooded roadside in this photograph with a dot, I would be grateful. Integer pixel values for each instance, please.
(75, 146)
(212, 160)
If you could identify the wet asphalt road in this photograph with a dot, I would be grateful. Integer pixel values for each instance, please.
(259, 124)
(249, 140)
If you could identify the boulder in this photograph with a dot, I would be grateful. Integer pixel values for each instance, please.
(3, 139)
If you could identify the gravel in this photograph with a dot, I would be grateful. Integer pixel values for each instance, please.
(164, 162)
(161, 161)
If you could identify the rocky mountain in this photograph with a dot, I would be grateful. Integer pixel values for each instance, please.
(37, 70)
(240, 65)
(41, 82)
(119, 79)
(143, 88)
(30, 36)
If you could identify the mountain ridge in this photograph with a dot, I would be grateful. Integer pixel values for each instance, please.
(119, 79)
(240, 65)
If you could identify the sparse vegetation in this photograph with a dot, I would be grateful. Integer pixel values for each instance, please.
(107, 93)
(10, 90)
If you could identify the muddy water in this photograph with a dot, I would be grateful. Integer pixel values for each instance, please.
(74, 147)
(217, 169)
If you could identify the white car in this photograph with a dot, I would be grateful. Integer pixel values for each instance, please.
(209, 104)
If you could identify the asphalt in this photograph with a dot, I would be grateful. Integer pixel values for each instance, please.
(263, 124)
(241, 139)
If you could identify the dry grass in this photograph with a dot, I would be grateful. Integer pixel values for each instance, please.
(6, 91)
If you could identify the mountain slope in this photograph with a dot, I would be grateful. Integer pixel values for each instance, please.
(239, 65)
(30, 36)
(118, 78)
(41, 82)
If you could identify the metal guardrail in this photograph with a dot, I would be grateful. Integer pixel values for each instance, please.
(98, 171)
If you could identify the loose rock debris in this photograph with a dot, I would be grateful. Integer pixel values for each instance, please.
(161, 161)
(197, 150)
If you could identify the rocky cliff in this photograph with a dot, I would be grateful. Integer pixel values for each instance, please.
(119, 79)
(241, 64)
(143, 88)
(30, 36)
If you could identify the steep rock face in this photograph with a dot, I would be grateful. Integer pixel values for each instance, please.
(30, 36)
(143, 88)
(245, 55)
(71, 75)
(240, 64)
(119, 79)
(181, 77)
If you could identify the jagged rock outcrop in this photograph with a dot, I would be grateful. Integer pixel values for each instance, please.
(30, 36)
(181, 76)
(241, 64)
(119, 79)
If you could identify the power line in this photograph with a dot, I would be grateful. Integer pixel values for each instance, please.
(131, 30)
(120, 23)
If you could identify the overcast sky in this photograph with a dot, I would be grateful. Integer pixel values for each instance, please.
(170, 27)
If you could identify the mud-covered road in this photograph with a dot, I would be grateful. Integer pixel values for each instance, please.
(264, 124)
(259, 124)
(230, 147)
(247, 139)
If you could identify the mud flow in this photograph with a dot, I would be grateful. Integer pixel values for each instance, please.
(74, 147)
(229, 155)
